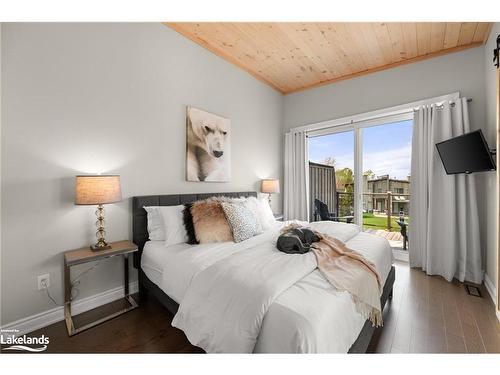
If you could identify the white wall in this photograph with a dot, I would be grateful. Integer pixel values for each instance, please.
(87, 98)
(489, 179)
(462, 71)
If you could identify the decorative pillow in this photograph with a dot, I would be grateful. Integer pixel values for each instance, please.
(188, 224)
(242, 221)
(165, 223)
(209, 221)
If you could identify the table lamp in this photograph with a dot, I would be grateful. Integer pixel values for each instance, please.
(270, 186)
(98, 190)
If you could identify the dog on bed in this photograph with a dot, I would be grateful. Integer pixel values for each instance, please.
(207, 137)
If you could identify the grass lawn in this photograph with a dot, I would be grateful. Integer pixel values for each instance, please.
(380, 222)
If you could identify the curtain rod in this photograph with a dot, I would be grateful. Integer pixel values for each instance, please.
(452, 104)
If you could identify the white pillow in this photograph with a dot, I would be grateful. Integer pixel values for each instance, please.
(156, 227)
(252, 204)
(166, 223)
(260, 207)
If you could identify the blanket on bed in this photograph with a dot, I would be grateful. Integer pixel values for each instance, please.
(223, 309)
(348, 270)
(225, 304)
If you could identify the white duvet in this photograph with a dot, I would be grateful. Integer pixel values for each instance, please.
(251, 297)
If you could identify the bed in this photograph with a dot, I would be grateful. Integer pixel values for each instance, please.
(309, 317)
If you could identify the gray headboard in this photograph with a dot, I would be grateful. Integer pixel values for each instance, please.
(139, 215)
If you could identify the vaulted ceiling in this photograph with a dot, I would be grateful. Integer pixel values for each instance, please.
(295, 56)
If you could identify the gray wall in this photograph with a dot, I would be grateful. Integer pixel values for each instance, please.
(489, 179)
(462, 71)
(86, 98)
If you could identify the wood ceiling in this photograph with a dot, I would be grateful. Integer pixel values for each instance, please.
(295, 56)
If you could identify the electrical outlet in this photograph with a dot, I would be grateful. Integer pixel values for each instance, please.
(43, 281)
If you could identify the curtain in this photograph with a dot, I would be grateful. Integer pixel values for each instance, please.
(444, 228)
(296, 187)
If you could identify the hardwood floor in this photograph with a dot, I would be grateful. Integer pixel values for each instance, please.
(430, 315)
(426, 315)
(146, 329)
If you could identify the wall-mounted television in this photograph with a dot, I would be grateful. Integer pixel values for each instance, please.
(466, 153)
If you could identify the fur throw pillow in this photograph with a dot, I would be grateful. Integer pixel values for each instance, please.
(209, 221)
(188, 224)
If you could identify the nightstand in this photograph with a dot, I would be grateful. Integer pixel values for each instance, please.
(85, 255)
(278, 217)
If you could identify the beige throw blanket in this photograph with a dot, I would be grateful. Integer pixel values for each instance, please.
(348, 270)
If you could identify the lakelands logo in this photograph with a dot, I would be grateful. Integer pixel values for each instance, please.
(22, 343)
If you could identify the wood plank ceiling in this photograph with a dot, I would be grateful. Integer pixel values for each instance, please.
(295, 56)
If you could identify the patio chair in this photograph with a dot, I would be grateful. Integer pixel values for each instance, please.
(321, 210)
(404, 231)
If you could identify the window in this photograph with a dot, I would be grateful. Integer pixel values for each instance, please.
(365, 161)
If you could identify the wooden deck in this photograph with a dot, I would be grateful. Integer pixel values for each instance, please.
(395, 238)
(390, 236)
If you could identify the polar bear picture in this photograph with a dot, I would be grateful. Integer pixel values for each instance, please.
(208, 149)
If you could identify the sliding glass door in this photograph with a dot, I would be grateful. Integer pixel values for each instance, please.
(331, 177)
(386, 153)
(360, 173)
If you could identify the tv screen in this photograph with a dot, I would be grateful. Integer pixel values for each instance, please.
(466, 154)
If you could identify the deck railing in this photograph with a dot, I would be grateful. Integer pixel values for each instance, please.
(322, 186)
(348, 207)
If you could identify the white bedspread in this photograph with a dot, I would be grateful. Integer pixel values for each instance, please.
(307, 316)
(314, 317)
(224, 306)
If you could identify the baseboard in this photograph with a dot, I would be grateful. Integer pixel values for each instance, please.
(492, 291)
(56, 314)
(490, 287)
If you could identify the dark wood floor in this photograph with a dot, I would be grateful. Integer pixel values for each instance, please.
(426, 315)
(145, 329)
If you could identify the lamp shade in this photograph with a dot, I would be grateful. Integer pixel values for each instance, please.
(97, 189)
(270, 186)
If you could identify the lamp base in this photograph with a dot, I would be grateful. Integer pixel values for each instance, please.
(97, 247)
(101, 242)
